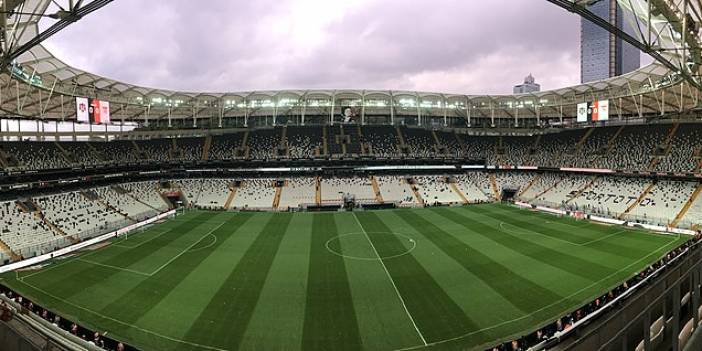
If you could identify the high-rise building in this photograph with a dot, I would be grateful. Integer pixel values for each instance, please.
(529, 86)
(602, 54)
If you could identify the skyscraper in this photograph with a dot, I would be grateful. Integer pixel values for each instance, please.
(602, 54)
(529, 86)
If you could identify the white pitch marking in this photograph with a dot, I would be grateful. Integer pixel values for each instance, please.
(114, 267)
(187, 249)
(531, 232)
(391, 280)
(537, 311)
(130, 325)
(119, 243)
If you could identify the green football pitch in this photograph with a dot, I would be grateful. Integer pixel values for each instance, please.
(438, 278)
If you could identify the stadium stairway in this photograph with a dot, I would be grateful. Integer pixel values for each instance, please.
(64, 153)
(376, 190)
(343, 140)
(120, 190)
(139, 151)
(278, 193)
(400, 140)
(666, 145)
(173, 150)
(687, 206)
(533, 150)
(54, 228)
(585, 137)
(284, 142)
(415, 191)
(98, 155)
(14, 257)
(325, 139)
(318, 190)
(243, 150)
(643, 195)
(460, 143)
(438, 148)
(529, 185)
(583, 189)
(458, 192)
(109, 206)
(360, 140)
(613, 142)
(206, 148)
(493, 186)
(232, 194)
(3, 159)
(547, 190)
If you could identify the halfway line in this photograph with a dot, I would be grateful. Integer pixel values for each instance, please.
(391, 280)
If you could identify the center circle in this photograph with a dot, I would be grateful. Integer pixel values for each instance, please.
(357, 245)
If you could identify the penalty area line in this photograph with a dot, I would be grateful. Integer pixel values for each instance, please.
(113, 267)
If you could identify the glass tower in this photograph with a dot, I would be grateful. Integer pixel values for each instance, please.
(602, 54)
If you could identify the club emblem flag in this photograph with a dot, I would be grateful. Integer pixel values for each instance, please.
(82, 114)
(92, 111)
(593, 112)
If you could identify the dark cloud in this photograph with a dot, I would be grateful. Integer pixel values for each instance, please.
(461, 46)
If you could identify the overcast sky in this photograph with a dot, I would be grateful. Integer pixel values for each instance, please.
(452, 46)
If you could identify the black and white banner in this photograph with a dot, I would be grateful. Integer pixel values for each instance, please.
(593, 111)
(92, 111)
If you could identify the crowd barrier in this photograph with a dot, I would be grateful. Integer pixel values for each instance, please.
(90, 242)
(651, 227)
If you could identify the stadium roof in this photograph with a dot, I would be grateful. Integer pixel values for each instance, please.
(46, 72)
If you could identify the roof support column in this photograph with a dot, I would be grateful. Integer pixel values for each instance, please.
(304, 109)
(392, 109)
(246, 112)
(169, 117)
(419, 111)
(663, 102)
(363, 109)
(221, 113)
(640, 107)
(63, 113)
(19, 110)
(492, 115)
(197, 106)
(538, 115)
(331, 112)
(468, 108)
(275, 112)
(560, 116)
(516, 116)
(445, 112)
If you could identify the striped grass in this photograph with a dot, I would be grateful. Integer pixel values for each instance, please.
(449, 278)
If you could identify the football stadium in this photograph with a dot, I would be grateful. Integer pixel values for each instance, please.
(141, 218)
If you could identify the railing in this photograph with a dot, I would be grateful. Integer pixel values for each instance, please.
(630, 315)
(629, 217)
(29, 251)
